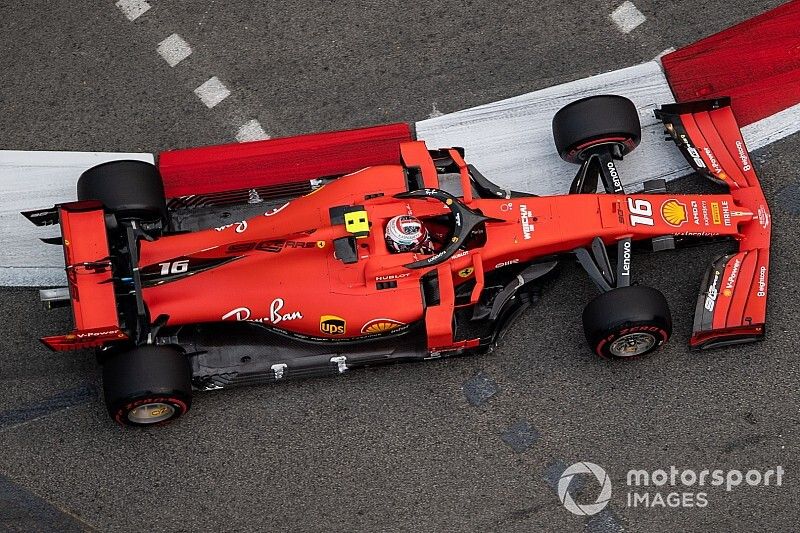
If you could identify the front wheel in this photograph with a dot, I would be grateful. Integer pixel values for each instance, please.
(627, 322)
(147, 385)
(586, 124)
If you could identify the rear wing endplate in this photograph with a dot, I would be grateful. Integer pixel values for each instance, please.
(89, 278)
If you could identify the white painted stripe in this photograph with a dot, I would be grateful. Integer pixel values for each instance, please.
(511, 141)
(772, 128)
(133, 9)
(627, 17)
(251, 131)
(16, 163)
(212, 92)
(36, 180)
(435, 112)
(33, 276)
(174, 49)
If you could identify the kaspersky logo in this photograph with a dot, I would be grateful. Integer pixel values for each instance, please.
(674, 213)
(585, 509)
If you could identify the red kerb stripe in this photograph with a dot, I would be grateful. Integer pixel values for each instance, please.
(248, 165)
(756, 63)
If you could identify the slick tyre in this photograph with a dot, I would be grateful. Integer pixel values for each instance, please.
(596, 121)
(627, 322)
(147, 385)
(128, 189)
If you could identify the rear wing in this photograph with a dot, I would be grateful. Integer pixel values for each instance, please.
(732, 305)
(89, 278)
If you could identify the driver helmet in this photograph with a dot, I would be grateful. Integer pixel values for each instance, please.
(405, 233)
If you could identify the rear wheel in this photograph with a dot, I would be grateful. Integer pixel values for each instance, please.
(606, 120)
(128, 189)
(147, 385)
(627, 322)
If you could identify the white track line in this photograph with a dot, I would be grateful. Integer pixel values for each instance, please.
(174, 49)
(212, 92)
(511, 141)
(773, 128)
(133, 9)
(35, 180)
(627, 17)
(435, 112)
(251, 131)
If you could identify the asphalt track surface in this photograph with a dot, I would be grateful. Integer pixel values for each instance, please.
(467, 444)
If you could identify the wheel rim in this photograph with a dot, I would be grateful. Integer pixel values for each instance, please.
(582, 156)
(632, 344)
(151, 413)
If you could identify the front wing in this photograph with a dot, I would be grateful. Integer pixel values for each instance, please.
(732, 304)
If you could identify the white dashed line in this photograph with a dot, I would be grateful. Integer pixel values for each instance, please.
(251, 131)
(174, 49)
(212, 92)
(627, 17)
(133, 9)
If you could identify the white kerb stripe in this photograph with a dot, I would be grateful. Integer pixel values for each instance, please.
(174, 49)
(773, 128)
(36, 180)
(627, 17)
(251, 131)
(212, 92)
(133, 9)
(511, 141)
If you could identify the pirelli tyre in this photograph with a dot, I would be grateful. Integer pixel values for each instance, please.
(627, 322)
(595, 121)
(147, 385)
(128, 189)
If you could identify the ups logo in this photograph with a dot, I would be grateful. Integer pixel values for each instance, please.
(332, 325)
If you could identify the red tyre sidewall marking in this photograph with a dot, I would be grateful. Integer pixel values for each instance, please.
(632, 329)
(624, 140)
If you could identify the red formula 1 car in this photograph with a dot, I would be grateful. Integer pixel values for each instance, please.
(309, 286)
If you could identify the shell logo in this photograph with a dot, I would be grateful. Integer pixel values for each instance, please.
(674, 213)
(381, 325)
